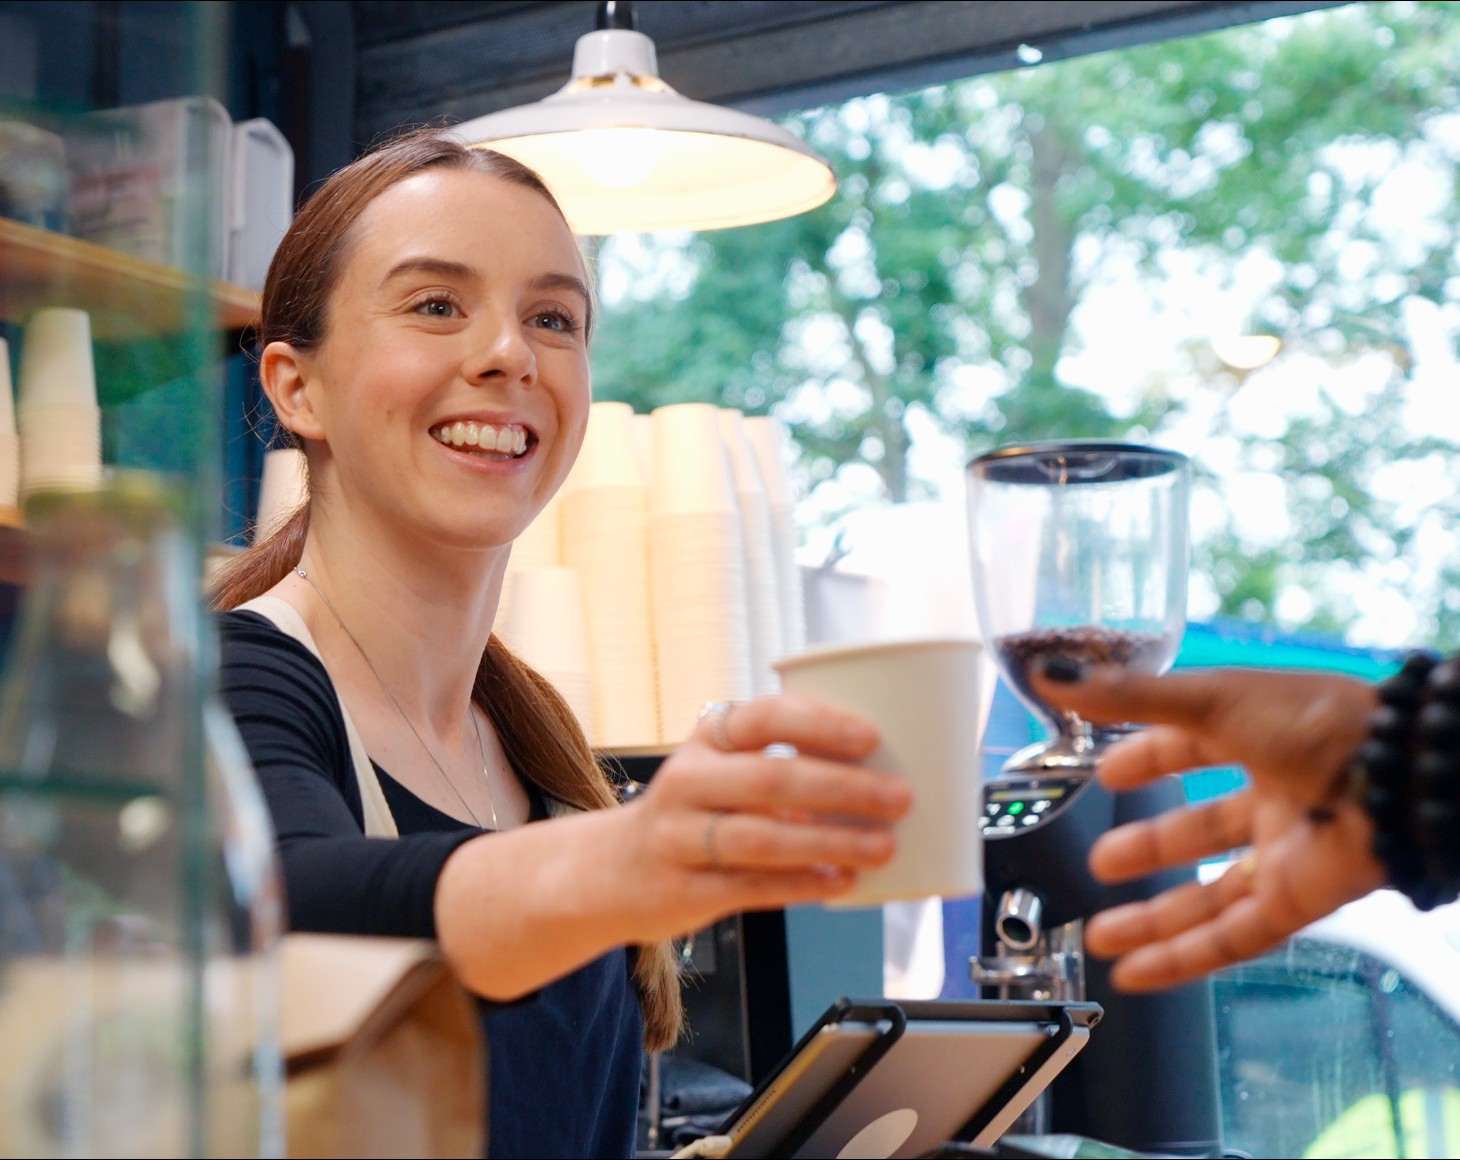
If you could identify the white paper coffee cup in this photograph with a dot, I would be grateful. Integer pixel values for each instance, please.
(56, 363)
(923, 696)
(691, 472)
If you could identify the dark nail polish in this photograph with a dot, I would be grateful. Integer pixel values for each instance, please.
(1063, 670)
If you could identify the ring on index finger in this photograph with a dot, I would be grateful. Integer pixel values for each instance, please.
(1248, 865)
(718, 712)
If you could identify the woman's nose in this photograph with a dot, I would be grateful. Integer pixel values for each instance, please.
(501, 352)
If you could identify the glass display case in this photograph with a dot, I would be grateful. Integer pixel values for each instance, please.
(139, 908)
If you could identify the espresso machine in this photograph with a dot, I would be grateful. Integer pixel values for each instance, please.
(1148, 1079)
(1080, 550)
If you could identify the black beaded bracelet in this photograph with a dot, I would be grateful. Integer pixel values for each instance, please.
(1437, 777)
(1407, 778)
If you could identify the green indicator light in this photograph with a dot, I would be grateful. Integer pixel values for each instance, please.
(1016, 807)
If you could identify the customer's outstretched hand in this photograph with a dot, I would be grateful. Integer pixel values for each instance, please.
(1294, 733)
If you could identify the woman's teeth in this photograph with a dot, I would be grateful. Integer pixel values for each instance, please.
(508, 442)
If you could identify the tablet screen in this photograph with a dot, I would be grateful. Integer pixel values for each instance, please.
(859, 1086)
(805, 1080)
(932, 1081)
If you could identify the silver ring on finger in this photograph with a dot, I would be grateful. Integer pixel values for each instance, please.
(1248, 865)
(718, 712)
(707, 839)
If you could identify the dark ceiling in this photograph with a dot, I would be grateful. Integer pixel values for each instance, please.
(417, 61)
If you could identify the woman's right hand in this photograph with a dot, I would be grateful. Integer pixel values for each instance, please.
(722, 828)
(725, 827)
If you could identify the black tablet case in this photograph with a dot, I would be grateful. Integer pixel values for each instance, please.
(887, 1022)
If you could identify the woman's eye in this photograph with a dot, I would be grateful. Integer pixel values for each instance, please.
(436, 308)
(556, 320)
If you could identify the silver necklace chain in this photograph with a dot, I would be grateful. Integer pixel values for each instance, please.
(384, 688)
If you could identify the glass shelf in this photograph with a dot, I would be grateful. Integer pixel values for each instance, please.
(124, 295)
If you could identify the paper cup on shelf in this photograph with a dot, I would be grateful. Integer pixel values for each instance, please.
(691, 472)
(763, 604)
(771, 443)
(55, 423)
(923, 698)
(544, 626)
(540, 544)
(608, 457)
(56, 364)
(57, 417)
(606, 540)
(643, 428)
(697, 589)
(282, 490)
(60, 446)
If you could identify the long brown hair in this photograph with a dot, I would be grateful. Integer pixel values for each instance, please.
(534, 723)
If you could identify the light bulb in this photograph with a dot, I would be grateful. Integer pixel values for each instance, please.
(618, 158)
(1247, 352)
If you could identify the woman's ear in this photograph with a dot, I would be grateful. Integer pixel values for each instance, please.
(286, 374)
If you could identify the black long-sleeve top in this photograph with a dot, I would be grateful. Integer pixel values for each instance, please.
(563, 1063)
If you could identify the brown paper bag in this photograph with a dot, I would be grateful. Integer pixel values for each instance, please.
(113, 1029)
(383, 1051)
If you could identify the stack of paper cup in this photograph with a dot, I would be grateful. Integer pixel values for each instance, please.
(544, 626)
(696, 569)
(282, 490)
(644, 445)
(770, 442)
(763, 606)
(605, 535)
(59, 420)
(9, 439)
(539, 546)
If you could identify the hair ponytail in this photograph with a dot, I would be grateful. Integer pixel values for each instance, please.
(546, 744)
(256, 570)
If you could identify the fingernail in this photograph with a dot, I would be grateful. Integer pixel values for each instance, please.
(1062, 670)
(875, 846)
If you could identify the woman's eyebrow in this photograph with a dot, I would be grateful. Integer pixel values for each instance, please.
(444, 268)
(562, 282)
(440, 267)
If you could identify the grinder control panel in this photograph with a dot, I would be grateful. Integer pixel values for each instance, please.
(1017, 804)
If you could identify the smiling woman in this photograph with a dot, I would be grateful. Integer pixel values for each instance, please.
(425, 330)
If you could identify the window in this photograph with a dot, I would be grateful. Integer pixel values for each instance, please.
(1321, 1043)
(1244, 246)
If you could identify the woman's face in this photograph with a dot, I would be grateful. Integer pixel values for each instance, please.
(451, 389)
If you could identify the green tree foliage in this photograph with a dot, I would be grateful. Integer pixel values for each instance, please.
(945, 278)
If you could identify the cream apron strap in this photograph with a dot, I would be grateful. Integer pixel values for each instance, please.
(379, 822)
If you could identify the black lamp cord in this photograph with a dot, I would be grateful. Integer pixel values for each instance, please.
(1406, 776)
(615, 14)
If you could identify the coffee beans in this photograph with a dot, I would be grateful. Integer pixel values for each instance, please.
(1085, 643)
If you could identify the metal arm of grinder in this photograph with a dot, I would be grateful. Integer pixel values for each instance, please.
(1147, 1081)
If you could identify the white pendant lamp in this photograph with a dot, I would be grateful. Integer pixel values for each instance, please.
(623, 151)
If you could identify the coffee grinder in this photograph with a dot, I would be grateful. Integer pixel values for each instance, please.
(1080, 550)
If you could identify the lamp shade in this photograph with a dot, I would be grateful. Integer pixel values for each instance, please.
(622, 151)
